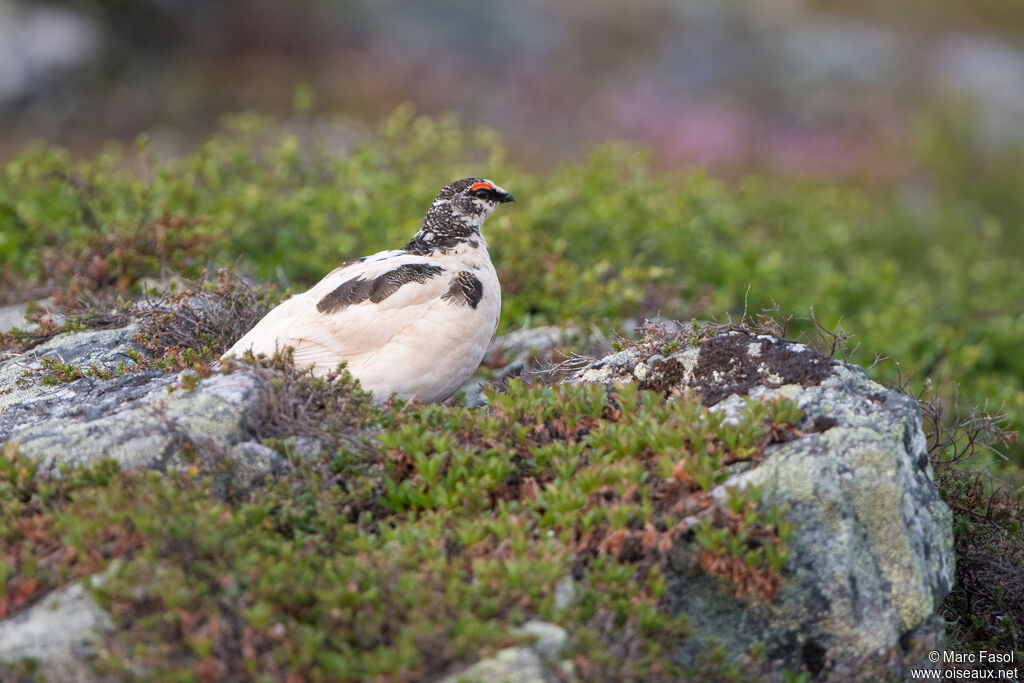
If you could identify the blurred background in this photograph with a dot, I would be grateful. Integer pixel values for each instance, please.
(794, 86)
(861, 160)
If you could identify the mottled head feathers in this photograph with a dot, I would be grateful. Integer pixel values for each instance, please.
(473, 189)
(456, 215)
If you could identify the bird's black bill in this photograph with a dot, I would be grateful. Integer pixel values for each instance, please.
(507, 197)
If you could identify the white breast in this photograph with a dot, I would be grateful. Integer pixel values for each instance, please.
(414, 343)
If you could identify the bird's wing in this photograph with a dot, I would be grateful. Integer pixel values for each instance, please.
(353, 312)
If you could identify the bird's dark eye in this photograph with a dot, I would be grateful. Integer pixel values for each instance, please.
(481, 193)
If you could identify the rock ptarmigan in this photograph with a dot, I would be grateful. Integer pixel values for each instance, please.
(414, 321)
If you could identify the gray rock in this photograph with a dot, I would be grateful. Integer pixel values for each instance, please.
(133, 419)
(991, 74)
(251, 464)
(835, 54)
(20, 380)
(873, 552)
(141, 419)
(523, 349)
(537, 662)
(551, 639)
(304, 448)
(511, 665)
(60, 632)
(565, 593)
(103, 348)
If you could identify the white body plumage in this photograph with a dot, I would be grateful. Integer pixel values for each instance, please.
(415, 321)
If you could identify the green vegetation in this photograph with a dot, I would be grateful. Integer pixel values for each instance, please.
(935, 283)
(346, 569)
(320, 573)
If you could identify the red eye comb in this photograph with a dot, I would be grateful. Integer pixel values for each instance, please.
(481, 186)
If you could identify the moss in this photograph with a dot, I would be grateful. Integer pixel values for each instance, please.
(734, 363)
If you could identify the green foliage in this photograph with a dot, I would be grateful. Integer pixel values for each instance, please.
(254, 190)
(935, 283)
(403, 560)
(58, 372)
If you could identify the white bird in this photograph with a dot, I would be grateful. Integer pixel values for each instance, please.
(414, 321)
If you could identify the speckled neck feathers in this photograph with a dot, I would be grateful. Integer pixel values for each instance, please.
(451, 221)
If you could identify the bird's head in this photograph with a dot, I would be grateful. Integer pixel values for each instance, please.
(458, 212)
(473, 197)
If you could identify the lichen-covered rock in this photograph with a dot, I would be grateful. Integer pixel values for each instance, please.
(519, 350)
(550, 639)
(537, 662)
(872, 556)
(133, 419)
(20, 378)
(873, 553)
(141, 419)
(60, 632)
(511, 665)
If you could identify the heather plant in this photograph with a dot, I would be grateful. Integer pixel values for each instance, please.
(462, 521)
(345, 569)
(934, 283)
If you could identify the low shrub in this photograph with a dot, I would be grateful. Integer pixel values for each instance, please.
(404, 556)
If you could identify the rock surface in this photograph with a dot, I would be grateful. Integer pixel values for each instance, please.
(873, 553)
(140, 419)
(60, 631)
(871, 559)
(22, 383)
(12, 316)
(533, 663)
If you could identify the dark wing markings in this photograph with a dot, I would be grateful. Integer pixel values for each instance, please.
(357, 290)
(466, 289)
